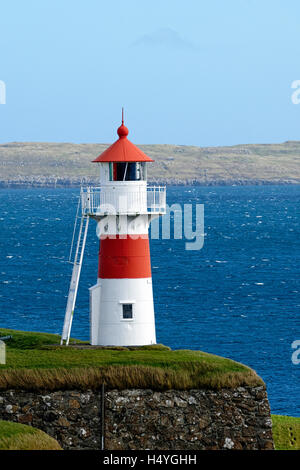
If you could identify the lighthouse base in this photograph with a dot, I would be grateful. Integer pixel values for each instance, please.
(122, 312)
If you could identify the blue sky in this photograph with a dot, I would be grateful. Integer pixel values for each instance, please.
(190, 73)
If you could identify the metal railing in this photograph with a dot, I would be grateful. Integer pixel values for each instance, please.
(99, 201)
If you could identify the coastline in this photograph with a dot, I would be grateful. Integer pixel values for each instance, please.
(42, 164)
(64, 183)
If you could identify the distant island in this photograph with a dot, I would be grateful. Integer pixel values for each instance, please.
(25, 164)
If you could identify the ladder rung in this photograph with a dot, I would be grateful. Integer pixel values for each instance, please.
(75, 277)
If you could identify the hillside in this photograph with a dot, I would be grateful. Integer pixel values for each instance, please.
(70, 164)
(36, 361)
(16, 436)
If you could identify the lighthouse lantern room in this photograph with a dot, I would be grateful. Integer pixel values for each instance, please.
(121, 302)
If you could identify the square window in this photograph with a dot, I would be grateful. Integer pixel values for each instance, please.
(127, 311)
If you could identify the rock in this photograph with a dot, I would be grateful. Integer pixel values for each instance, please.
(82, 432)
(25, 419)
(8, 409)
(85, 398)
(11, 408)
(192, 400)
(26, 408)
(179, 402)
(74, 404)
(228, 444)
(63, 422)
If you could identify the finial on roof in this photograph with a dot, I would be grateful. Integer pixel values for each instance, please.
(122, 130)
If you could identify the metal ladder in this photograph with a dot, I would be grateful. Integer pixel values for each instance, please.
(77, 263)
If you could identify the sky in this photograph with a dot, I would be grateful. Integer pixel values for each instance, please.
(197, 72)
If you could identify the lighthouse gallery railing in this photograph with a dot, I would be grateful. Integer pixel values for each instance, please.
(96, 201)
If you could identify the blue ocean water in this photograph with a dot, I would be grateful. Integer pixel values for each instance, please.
(237, 297)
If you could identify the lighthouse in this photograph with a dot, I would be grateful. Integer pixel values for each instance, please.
(123, 205)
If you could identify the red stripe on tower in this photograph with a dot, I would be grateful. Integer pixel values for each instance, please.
(124, 257)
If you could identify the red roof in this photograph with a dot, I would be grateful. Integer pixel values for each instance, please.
(123, 150)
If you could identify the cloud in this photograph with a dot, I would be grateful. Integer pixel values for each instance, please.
(165, 37)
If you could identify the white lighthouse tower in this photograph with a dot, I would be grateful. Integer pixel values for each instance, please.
(121, 302)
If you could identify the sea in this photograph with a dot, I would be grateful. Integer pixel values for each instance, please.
(238, 296)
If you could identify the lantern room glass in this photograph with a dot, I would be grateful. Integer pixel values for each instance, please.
(127, 171)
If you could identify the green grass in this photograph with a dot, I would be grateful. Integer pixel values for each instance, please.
(36, 361)
(15, 436)
(23, 340)
(286, 432)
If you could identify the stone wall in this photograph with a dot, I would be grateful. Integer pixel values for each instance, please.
(144, 419)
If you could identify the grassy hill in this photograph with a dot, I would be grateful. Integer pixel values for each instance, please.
(286, 432)
(15, 436)
(70, 164)
(35, 361)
